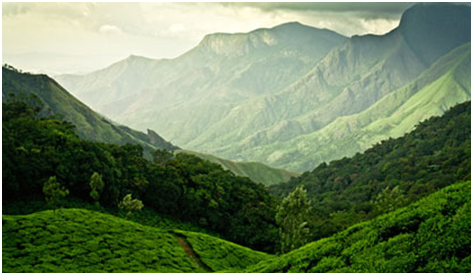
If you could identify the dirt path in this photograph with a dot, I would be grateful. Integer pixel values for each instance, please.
(181, 239)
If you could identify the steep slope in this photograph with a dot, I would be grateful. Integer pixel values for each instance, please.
(388, 175)
(89, 125)
(257, 172)
(347, 81)
(445, 84)
(182, 97)
(75, 240)
(432, 235)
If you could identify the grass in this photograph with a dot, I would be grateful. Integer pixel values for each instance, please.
(79, 240)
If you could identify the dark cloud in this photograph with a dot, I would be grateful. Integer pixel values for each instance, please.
(364, 10)
(369, 9)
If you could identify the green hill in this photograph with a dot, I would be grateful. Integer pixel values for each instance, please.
(431, 235)
(77, 240)
(403, 170)
(182, 97)
(347, 81)
(183, 187)
(257, 172)
(89, 124)
(445, 84)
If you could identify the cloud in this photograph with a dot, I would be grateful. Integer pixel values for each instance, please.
(110, 29)
(167, 30)
(365, 10)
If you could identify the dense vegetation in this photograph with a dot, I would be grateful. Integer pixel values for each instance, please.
(37, 147)
(76, 240)
(389, 175)
(431, 235)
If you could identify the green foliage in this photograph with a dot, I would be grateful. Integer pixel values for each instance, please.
(392, 174)
(292, 215)
(186, 187)
(54, 191)
(431, 235)
(130, 205)
(389, 200)
(86, 241)
(221, 255)
(162, 156)
(97, 185)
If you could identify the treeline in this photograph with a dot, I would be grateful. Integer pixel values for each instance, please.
(389, 175)
(37, 147)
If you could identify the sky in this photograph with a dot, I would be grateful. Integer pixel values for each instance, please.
(69, 37)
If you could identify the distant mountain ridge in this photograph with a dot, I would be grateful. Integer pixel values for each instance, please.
(90, 125)
(443, 85)
(93, 126)
(176, 95)
(257, 172)
(236, 94)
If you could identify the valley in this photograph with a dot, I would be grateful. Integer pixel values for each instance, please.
(289, 148)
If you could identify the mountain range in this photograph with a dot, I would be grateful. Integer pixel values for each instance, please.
(95, 127)
(268, 95)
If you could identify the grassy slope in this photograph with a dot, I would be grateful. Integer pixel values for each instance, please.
(431, 235)
(77, 240)
(89, 124)
(257, 172)
(442, 86)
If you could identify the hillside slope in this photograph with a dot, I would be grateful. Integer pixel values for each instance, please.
(256, 171)
(350, 79)
(432, 235)
(89, 124)
(388, 175)
(446, 83)
(75, 240)
(182, 97)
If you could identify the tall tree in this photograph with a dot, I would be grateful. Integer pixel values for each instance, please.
(97, 185)
(130, 205)
(292, 216)
(54, 191)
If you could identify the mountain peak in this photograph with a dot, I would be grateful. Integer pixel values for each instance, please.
(287, 33)
(433, 29)
(432, 13)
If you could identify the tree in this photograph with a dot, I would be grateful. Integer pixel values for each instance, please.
(97, 185)
(130, 205)
(162, 156)
(389, 200)
(53, 192)
(292, 216)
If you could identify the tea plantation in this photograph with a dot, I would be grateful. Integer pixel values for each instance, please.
(431, 235)
(77, 240)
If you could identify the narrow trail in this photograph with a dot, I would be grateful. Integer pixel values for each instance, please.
(181, 239)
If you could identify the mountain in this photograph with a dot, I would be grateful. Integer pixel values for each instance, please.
(78, 240)
(350, 79)
(446, 83)
(432, 235)
(389, 175)
(238, 96)
(89, 124)
(256, 171)
(182, 97)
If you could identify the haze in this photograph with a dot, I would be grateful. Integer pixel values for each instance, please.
(80, 37)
